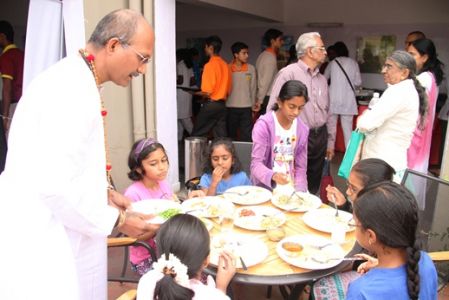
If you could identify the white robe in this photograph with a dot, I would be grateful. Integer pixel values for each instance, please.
(55, 216)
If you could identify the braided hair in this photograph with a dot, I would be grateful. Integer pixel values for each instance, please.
(405, 61)
(390, 210)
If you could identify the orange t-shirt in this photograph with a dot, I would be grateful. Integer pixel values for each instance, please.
(216, 79)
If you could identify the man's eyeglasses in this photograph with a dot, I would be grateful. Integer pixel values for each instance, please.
(143, 59)
(321, 48)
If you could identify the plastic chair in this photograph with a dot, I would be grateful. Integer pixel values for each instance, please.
(125, 242)
(192, 184)
(431, 193)
(244, 150)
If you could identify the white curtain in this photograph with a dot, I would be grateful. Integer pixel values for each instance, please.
(55, 27)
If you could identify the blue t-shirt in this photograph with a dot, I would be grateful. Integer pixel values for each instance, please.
(236, 179)
(383, 283)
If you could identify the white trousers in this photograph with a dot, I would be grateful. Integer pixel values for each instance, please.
(346, 125)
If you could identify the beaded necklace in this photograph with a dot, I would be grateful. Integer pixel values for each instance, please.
(89, 60)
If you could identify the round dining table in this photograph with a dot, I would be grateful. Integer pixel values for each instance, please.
(273, 270)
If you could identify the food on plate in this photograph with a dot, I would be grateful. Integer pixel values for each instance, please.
(198, 204)
(284, 199)
(213, 210)
(209, 225)
(246, 213)
(168, 213)
(219, 242)
(270, 222)
(225, 243)
(275, 234)
(292, 249)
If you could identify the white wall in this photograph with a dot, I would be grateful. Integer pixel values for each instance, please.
(348, 33)
(416, 12)
(117, 101)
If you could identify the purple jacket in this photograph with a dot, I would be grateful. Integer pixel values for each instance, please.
(261, 156)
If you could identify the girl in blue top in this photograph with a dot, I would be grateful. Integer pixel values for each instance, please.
(222, 169)
(386, 218)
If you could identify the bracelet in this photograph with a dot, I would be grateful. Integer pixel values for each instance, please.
(121, 219)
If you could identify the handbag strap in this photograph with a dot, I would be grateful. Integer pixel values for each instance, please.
(346, 75)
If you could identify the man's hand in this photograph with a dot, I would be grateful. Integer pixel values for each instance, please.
(256, 107)
(5, 124)
(117, 200)
(136, 225)
(330, 154)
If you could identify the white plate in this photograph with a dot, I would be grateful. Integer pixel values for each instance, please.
(247, 195)
(305, 257)
(155, 207)
(252, 250)
(208, 207)
(264, 217)
(324, 219)
(300, 202)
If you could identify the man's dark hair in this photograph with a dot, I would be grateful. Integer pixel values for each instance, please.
(271, 34)
(7, 30)
(237, 47)
(215, 42)
(419, 34)
(341, 49)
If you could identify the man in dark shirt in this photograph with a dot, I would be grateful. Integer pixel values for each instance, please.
(11, 69)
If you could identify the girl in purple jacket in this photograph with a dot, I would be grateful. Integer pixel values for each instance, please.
(279, 154)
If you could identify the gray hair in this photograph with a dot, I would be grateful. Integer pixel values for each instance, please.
(121, 24)
(405, 61)
(306, 40)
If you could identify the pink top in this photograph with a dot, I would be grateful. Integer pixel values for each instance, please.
(136, 192)
(419, 151)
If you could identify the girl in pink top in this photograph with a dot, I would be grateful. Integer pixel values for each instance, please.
(148, 164)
